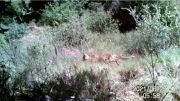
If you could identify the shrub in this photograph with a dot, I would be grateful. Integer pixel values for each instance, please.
(74, 33)
(94, 6)
(2, 40)
(169, 59)
(156, 30)
(18, 9)
(15, 31)
(12, 74)
(28, 68)
(55, 13)
(4, 76)
(101, 22)
(79, 5)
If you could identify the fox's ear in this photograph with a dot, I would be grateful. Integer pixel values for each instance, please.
(84, 56)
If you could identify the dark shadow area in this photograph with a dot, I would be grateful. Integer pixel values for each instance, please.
(125, 21)
(37, 7)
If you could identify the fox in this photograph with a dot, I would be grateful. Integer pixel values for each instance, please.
(104, 57)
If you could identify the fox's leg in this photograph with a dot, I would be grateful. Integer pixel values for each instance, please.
(117, 62)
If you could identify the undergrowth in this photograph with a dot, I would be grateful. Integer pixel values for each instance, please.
(47, 62)
(156, 31)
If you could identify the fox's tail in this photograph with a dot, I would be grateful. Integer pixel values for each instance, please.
(125, 58)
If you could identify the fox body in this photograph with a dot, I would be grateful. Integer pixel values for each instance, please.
(103, 57)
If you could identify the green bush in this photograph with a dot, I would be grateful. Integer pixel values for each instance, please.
(79, 5)
(170, 61)
(13, 76)
(74, 33)
(2, 40)
(28, 66)
(101, 22)
(15, 31)
(94, 6)
(4, 76)
(55, 13)
(158, 29)
(18, 9)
